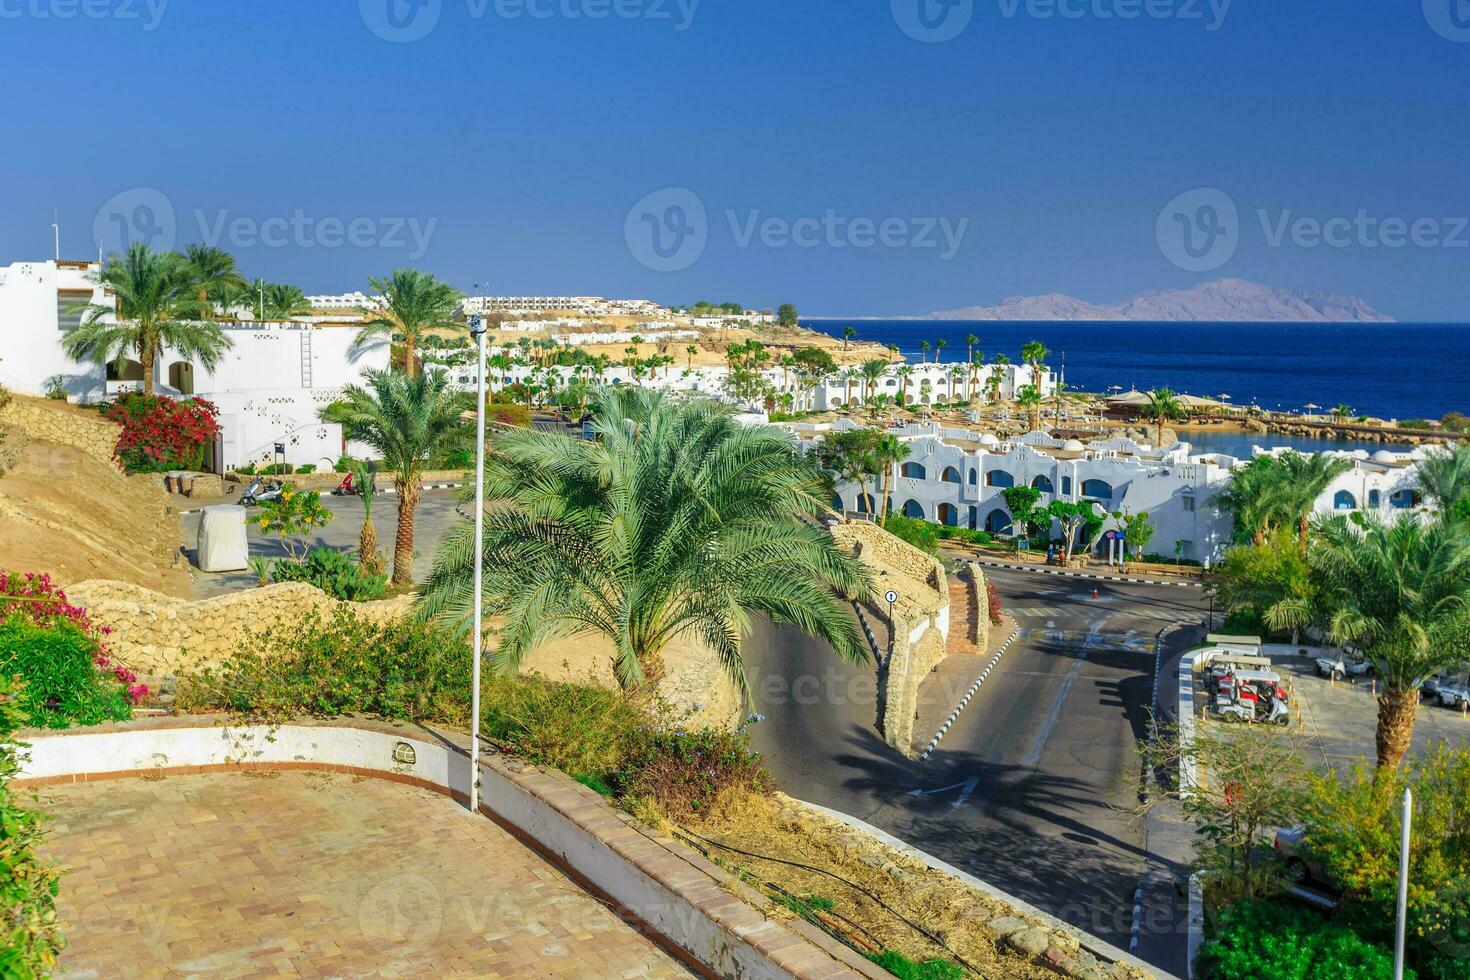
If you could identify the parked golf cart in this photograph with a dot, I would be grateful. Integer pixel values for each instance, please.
(1250, 696)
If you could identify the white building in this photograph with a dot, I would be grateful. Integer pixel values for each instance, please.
(268, 386)
(593, 306)
(926, 384)
(345, 301)
(957, 477)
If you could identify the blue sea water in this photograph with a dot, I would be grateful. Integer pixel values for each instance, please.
(1391, 370)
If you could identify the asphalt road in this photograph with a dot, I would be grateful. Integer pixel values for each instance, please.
(1033, 786)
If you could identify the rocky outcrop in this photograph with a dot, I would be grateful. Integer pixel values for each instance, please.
(159, 635)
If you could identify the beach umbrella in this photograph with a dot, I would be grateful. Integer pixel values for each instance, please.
(1116, 388)
(1310, 405)
(1224, 397)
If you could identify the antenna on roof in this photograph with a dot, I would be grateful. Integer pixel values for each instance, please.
(56, 229)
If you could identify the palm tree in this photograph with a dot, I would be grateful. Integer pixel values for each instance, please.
(691, 350)
(676, 522)
(216, 277)
(1035, 354)
(1400, 593)
(977, 361)
(889, 453)
(848, 377)
(157, 296)
(365, 479)
(407, 421)
(970, 341)
(1303, 478)
(282, 301)
(413, 303)
(1444, 477)
(893, 353)
(1253, 497)
(1029, 398)
(956, 375)
(847, 334)
(873, 372)
(1163, 405)
(924, 348)
(1341, 411)
(939, 346)
(904, 373)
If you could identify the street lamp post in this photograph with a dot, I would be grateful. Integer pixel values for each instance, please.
(1403, 904)
(477, 332)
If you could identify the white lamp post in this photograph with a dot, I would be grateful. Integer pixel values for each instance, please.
(477, 331)
(1398, 945)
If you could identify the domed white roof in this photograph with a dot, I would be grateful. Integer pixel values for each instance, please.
(1073, 446)
(1384, 456)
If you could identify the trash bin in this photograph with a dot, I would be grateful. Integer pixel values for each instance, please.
(171, 481)
(186, 484)
(222, 544)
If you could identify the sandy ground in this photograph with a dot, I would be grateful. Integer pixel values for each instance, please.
(77, 517)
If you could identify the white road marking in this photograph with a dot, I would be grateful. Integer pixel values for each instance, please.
(966, 788)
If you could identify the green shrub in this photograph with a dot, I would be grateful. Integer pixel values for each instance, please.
(305, 468)
(30, 936)
(581, 729)
(691, 773)
(1273, 939)
(334, 572)
(247, 470)
(906, 969)
(64, 684)
(919, 533)
(343, 464)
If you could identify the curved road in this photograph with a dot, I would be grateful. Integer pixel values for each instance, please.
(1032, 787)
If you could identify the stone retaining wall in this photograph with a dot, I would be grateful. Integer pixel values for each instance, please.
(67, 425)
(156, 634)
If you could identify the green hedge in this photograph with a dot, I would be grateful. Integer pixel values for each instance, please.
(921, 534)
(1287, 942)
(64, 685)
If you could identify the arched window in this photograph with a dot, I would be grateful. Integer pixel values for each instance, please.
(1375, 499)
(1402, 499)
(1066, 486)
(973, 476)
(998, 521)
(914, 471)
(837, 503)
(1344, 501)
(951, 475)
(999, 478)
(865, 504)
(911, 508)
(1097, 489)
(949, 515)
(1043, 483)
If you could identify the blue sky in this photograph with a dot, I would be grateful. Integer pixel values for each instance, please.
(1029, 153)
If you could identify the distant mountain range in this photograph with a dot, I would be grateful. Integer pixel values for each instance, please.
(1224, 300)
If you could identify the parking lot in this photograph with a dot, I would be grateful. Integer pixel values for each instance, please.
(1340, 718)
(435, 516)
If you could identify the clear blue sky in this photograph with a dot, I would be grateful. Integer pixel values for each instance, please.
(527, 140)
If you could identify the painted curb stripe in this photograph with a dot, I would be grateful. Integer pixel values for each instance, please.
(934, 742)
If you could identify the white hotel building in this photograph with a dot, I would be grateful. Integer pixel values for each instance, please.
(268, 386)
(957, 477)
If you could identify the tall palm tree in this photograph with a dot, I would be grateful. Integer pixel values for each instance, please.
(924, 348)
(889, 453)
(1162, 406)
(1253, 498)
(1035, 353)
(939, 346)
(365, 479)
(156, 298)
(1400, 593)
(216, 277)
(413, 303)
(873, 372)
(956, 375)
(676, 522)
(847, 334)
(1303, 478)
(1444, 477)
(904, 374)
(1029, 398)
(407, 421)
(970, 341)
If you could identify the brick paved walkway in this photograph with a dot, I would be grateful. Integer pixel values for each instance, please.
(301, 873)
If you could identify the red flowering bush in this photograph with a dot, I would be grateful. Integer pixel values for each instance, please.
(36, 601)
(995, 613)
(161, 434)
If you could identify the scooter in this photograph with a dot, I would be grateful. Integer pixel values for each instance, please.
(260, 491)
(347, 488)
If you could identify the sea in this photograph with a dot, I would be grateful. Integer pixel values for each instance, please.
(1389, 370)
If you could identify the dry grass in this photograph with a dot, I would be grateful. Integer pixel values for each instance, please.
(775, 827)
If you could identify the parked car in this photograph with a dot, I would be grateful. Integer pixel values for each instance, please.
(1341, 667)
(1450, 693)
(1301, 867)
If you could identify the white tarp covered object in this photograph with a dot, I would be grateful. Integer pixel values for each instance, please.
(222, 544)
